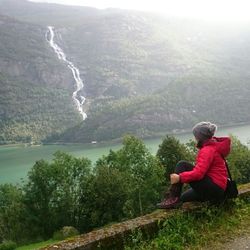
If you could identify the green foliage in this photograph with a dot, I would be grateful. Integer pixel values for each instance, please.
(192, 148)
(8, 245)
(54, 192)
(142, 172)
(65, 232)
(196, 229)
(171, 151)
(68, 191)
(135, 238)
(179, 233)
(123, 184)
(239, 161)
(37, 246)
(12, 212)
(109, 192)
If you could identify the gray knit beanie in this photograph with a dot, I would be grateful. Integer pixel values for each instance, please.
(204, 130)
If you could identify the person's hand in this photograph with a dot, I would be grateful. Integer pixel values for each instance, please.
(174, 178)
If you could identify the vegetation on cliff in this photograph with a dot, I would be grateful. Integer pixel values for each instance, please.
(143, 74)
(35, 97)
(147, 75)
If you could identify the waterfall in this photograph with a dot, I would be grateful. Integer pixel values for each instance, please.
(78, 99)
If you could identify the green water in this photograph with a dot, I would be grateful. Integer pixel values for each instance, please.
(15, 161)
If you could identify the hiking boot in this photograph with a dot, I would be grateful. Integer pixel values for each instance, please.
(172, 202)
(167, 195)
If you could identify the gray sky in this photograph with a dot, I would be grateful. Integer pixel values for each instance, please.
(213, 10)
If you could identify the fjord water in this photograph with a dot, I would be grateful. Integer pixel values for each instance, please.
(16, 161)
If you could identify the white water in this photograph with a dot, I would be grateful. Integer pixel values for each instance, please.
(78, 99)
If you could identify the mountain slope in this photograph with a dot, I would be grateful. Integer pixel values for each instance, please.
(148, 75)
(46, 14)
(143, 74)
(35, 89)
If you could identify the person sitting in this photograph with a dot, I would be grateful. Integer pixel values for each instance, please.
(208, 177)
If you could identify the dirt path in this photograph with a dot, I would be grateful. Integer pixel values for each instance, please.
(240, 243)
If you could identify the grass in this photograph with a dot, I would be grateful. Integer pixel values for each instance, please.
(208, 227)
(38, 245)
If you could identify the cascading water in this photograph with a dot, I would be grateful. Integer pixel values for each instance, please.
(78, 99)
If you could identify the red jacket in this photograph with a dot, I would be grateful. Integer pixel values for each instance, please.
(209, 162)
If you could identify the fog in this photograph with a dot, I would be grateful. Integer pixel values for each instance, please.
(211, 10)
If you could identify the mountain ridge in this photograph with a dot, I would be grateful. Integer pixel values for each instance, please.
(143, 74)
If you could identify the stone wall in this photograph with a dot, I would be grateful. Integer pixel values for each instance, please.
(113, 236)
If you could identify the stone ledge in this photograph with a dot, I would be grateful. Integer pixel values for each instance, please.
(112, 237)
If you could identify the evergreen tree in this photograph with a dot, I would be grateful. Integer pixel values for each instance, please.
(170, 152)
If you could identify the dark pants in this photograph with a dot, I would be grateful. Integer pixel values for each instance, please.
(202, 190)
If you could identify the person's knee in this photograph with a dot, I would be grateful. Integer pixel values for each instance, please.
(189, 195)
(183, 166)
(181, 163)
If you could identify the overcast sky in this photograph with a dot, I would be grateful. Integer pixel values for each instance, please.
(216, 10)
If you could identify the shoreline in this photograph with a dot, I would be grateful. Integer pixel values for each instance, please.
(119, 140)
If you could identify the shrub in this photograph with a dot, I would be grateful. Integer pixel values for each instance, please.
(65, 232)
(171, 151)
(8, 245)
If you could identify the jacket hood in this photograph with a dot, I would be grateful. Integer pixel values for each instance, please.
(222, 144)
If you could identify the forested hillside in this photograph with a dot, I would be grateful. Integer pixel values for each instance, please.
(143, 74)
(147, 75)
(35, 90)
